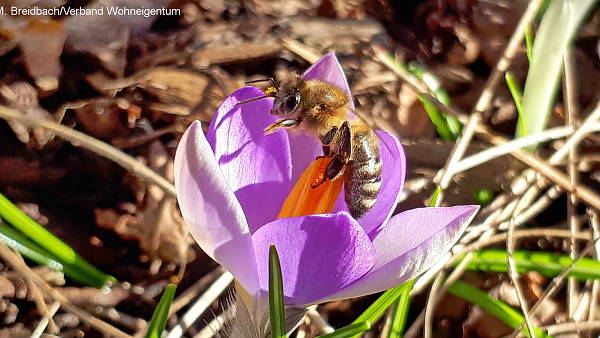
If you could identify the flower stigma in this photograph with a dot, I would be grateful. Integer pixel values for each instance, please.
(304, 199)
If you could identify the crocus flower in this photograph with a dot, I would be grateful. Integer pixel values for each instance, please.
(232, 182)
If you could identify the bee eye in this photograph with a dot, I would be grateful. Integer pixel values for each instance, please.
(291, 102)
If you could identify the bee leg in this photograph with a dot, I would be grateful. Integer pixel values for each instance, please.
(326, 153)
(334, 170)
(326, 140)
(329, 136)
(345, 143)
(274, 83)
(287, 123)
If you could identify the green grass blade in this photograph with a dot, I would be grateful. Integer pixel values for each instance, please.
(400, 311)
(438, 119)
(556, 31)
(548, 264)
(516, 92)
(495, 307)
(447, 126)
(276, 300)
(161, 313)
(378, 308)
(348, 331)
(17, 241)
(45, 239)
(434, 197)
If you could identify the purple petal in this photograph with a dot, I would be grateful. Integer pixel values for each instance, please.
(409, 244)
(328, 69)
(304, 149)
(257, 166)
(393, 164)
(319, 254)
(210, 209)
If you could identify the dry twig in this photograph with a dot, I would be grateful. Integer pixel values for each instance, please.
(103, 149)
(10, 257)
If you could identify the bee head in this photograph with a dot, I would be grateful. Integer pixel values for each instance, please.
(288, 98)
(287, 103)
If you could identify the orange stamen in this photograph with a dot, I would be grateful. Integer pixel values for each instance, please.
(304, 199)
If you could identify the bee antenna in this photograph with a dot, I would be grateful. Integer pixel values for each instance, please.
(253, 99)
(272, 80)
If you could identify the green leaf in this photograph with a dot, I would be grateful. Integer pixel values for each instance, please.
(495, 307)
(17, 241)
(276, 300)
(556, 31)
(400, 311)
(161, 313)
(348, 331)
(45, 239)
(548, 264)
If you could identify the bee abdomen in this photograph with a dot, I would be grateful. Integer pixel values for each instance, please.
(363, 183)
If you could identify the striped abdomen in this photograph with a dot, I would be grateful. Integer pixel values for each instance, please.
(363, 179)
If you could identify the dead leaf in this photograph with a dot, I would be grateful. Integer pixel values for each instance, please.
(106, 37)
(155, 224)
(466, 50)
(42, 44)
(412, 116)
(158, 227)
(21, 171)
(174, 86)
(245, 52)
(102, 117)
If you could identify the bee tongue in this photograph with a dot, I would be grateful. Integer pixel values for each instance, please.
(304, 199)
(288, 123)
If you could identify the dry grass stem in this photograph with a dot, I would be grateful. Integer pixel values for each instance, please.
(571, 107)
(506, 148)
(520, 234)
(309, 54)
(46, 320)
(318, 321)
(431, 304)
(487, 93)
(101, 148)
(594, 221)
(572, 327)
(555, 285)
(202, 304)
(192, 292)
(541, 166)
(511, 245)
(10, 257)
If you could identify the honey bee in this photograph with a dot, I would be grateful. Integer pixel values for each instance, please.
(322, 110)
